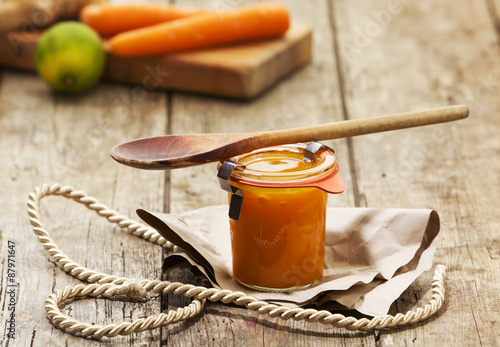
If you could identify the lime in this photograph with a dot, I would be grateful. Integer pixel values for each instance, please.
(70, 57)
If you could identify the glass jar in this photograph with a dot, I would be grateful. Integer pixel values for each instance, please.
(278, 242)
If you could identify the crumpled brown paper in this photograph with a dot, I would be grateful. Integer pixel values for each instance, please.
(371, 255)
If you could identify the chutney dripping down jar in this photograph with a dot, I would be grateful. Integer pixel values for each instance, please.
(277, 203)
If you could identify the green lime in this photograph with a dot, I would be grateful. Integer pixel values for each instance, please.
(70, 57)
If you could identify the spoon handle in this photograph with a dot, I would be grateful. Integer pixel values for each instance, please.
(357, 127)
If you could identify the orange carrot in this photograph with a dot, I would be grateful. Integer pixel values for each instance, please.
(109, 19)
(252, 22)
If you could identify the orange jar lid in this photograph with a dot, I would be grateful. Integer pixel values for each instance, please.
(289, 166)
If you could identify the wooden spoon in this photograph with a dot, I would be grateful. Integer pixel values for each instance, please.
(176, 151)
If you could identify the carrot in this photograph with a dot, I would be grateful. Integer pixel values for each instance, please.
(252, 22)
(109, 19)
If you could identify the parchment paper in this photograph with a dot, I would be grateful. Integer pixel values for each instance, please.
(371, 255)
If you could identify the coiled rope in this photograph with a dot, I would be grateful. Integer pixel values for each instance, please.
(108, 286)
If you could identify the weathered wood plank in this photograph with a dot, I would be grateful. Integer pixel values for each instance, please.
(53, 138)
(406, 55)
(310, 96)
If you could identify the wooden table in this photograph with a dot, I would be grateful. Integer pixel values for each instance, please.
(370, 58)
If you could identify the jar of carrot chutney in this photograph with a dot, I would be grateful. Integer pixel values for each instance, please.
(278, 230)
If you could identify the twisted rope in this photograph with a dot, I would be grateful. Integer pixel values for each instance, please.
(115, 287)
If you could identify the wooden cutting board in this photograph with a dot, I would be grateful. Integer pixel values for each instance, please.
(236, 71)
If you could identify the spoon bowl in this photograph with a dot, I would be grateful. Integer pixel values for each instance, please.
(173, 151)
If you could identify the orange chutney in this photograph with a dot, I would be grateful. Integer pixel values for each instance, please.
(278, 240)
